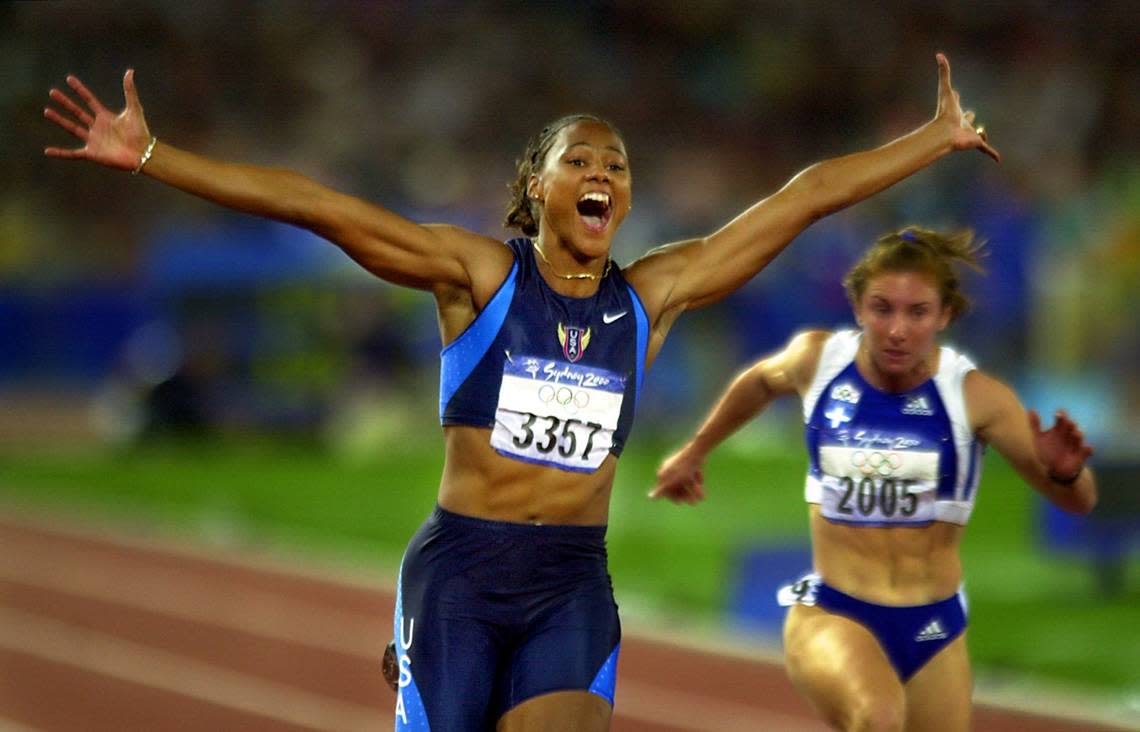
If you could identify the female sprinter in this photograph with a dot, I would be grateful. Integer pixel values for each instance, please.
(895, 427)
(505, 617)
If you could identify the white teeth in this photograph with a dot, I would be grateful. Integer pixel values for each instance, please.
(595, 196)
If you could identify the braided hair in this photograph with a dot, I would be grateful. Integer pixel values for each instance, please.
(522, 213)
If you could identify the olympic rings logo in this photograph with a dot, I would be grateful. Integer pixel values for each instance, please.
(569, 399)
(876, 462)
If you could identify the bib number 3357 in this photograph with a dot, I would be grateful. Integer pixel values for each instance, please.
(556, 413)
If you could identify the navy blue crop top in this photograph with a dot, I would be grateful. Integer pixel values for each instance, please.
(556, 378)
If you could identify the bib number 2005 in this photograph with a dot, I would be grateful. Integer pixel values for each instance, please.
(886, 497)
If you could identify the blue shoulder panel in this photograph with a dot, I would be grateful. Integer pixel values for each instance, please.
(642, 337)
(459, 358)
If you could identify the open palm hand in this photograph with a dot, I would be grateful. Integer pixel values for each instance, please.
(113, 139)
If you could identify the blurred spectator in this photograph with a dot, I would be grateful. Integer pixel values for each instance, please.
(424, 105)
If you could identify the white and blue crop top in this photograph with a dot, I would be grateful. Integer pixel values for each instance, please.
(556, 378)
(889, 459)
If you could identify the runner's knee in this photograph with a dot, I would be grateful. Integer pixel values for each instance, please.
(876, 714)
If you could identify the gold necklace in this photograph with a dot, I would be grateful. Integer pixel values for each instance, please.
(582, 276)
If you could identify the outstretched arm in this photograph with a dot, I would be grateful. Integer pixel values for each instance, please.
(390, 246)
(694, 273)
(1052, 460)
(680, 477)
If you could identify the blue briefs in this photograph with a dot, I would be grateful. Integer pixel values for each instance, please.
(910, 635)
(492, 613)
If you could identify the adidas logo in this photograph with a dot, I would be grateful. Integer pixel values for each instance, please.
(932, 631)
(917, 405)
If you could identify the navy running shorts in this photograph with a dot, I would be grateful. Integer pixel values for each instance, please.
(910, 635)
(492, 613)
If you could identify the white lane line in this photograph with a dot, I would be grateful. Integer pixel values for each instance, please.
(270, 559)
(104, 654)
(238, 614)
(261, 614)
(668, 706)
(278, 617)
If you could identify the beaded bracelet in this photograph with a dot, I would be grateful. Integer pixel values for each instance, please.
(145, 156)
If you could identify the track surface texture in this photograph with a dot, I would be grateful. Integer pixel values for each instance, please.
(102, 632)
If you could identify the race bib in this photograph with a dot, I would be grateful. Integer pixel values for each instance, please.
(557, 413)
(801, 592)
(871, 486)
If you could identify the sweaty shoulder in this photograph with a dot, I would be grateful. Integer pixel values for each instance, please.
(653, 277)
(485, 263)
(801, 356)
(485, 260)
(794, 367)
(988, 399)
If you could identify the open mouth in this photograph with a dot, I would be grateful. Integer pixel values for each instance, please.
(595, 209)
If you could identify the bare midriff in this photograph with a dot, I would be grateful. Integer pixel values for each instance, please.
(895, 565)
(478, 481)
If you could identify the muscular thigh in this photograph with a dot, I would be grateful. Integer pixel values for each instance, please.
(562, 711)
(939, 695)
(839, 666)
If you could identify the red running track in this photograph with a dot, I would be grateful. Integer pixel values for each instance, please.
(103, 633)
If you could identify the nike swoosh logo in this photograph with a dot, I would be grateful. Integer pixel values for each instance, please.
(608, 318)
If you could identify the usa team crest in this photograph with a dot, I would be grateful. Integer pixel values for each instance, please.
(574, 341)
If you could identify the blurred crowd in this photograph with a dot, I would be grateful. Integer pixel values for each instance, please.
(175, 312)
